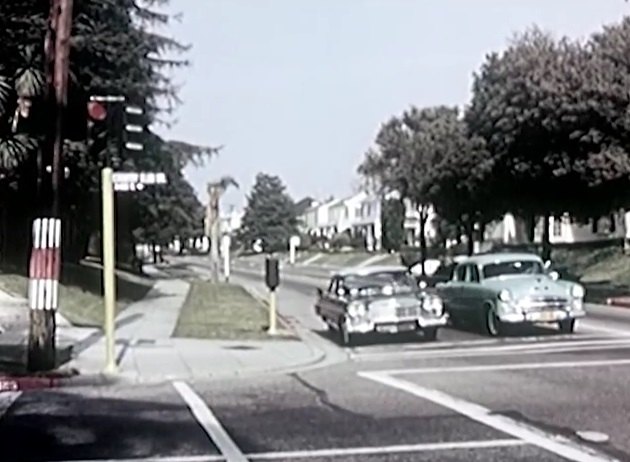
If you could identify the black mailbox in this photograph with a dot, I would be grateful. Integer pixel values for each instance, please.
(272, 273)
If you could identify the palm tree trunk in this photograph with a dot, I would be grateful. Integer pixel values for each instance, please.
(213, 222)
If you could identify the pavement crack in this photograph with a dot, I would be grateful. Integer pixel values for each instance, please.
(322, 397)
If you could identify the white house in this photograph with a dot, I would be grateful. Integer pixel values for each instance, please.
(412, 224)
(231, 221)
(562, 230)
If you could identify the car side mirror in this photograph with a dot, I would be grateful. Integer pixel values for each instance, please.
(320, 292)
(554, 275)
(341, 292)
(547, 264)
(422, 285)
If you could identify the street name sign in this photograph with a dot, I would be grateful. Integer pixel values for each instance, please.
(136, 181)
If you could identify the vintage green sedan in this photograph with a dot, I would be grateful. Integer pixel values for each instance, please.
(494, 291)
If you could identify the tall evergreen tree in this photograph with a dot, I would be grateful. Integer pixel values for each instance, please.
(269, 216)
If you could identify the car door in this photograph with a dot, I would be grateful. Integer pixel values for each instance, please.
(338, 300)
(451, 290)
(325, 300)
(471, 292)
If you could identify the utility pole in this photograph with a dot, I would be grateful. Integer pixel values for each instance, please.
(41, 345)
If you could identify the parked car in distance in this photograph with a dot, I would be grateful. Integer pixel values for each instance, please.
(378, 299)
(443, 273)
(496, 290)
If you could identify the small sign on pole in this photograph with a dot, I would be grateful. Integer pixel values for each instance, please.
(136, 181)
(225, 249)
(294, 243)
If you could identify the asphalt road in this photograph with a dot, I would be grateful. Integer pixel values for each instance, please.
(528, 397)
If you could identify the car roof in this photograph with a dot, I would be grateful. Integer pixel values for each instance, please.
(369, 270)
(488, 258)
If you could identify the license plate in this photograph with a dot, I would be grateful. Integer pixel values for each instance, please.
(395, 328)
(547, 316)
(389, 329)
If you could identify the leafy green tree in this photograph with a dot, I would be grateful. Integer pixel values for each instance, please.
(530, 105)
(269, 216)
(115, 50)
(393, 220)
(408, 149)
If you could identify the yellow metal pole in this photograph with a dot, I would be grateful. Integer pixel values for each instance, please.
(109, 279)
(272, 312)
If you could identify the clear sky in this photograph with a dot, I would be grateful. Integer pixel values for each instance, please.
(298, 88)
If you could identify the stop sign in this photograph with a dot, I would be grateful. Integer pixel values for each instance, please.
(97, 111)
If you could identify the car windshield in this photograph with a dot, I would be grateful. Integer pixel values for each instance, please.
(513, 267)
(398, 281)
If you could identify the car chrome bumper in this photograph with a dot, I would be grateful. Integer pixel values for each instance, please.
(364, 326)
(541, 316)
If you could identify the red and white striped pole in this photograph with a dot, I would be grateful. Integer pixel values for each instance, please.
(45, 265)
(43, 291)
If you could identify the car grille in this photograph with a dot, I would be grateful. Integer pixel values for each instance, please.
(407, 311)
(541, 303)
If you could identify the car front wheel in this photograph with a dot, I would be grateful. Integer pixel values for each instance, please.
(567, 326)
(430, 333)
(492, 324)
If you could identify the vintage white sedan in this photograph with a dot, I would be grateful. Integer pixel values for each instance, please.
(378, 299)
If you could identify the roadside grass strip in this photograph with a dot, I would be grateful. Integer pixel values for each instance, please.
(221, 312)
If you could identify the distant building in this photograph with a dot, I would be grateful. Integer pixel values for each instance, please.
(360, 216)
(562, 230)
(231, 221)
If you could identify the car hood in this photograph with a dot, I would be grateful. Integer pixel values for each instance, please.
(530, 285)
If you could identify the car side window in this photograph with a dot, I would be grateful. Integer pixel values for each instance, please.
(472, 274)
(460, 273)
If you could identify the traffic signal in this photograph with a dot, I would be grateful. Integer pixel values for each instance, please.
(133, 128)
(110, 116)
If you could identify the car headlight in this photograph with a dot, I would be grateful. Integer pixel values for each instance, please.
(577, 291)
(356, 309)
(505, 295)
(433, 305)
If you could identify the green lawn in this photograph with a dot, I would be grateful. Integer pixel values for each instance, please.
(606, 264)
(222, 311)
(81, 305)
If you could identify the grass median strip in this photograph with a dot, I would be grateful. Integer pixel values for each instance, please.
(223, 312)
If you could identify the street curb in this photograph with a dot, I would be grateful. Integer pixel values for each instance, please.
(53, 380)
(620, 302)
(319, 354)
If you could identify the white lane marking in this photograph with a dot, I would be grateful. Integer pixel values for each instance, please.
(460, 354)
(536, 348)
(451, 345)
(508, 367)
(7, 398)
(374, 259)
(333, 452)
(395, 449)
(312, 259)
(553, 443)
(210, 423)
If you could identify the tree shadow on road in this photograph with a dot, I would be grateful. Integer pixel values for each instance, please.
(54, 426)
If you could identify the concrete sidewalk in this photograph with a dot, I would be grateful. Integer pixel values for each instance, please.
(147, 353)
